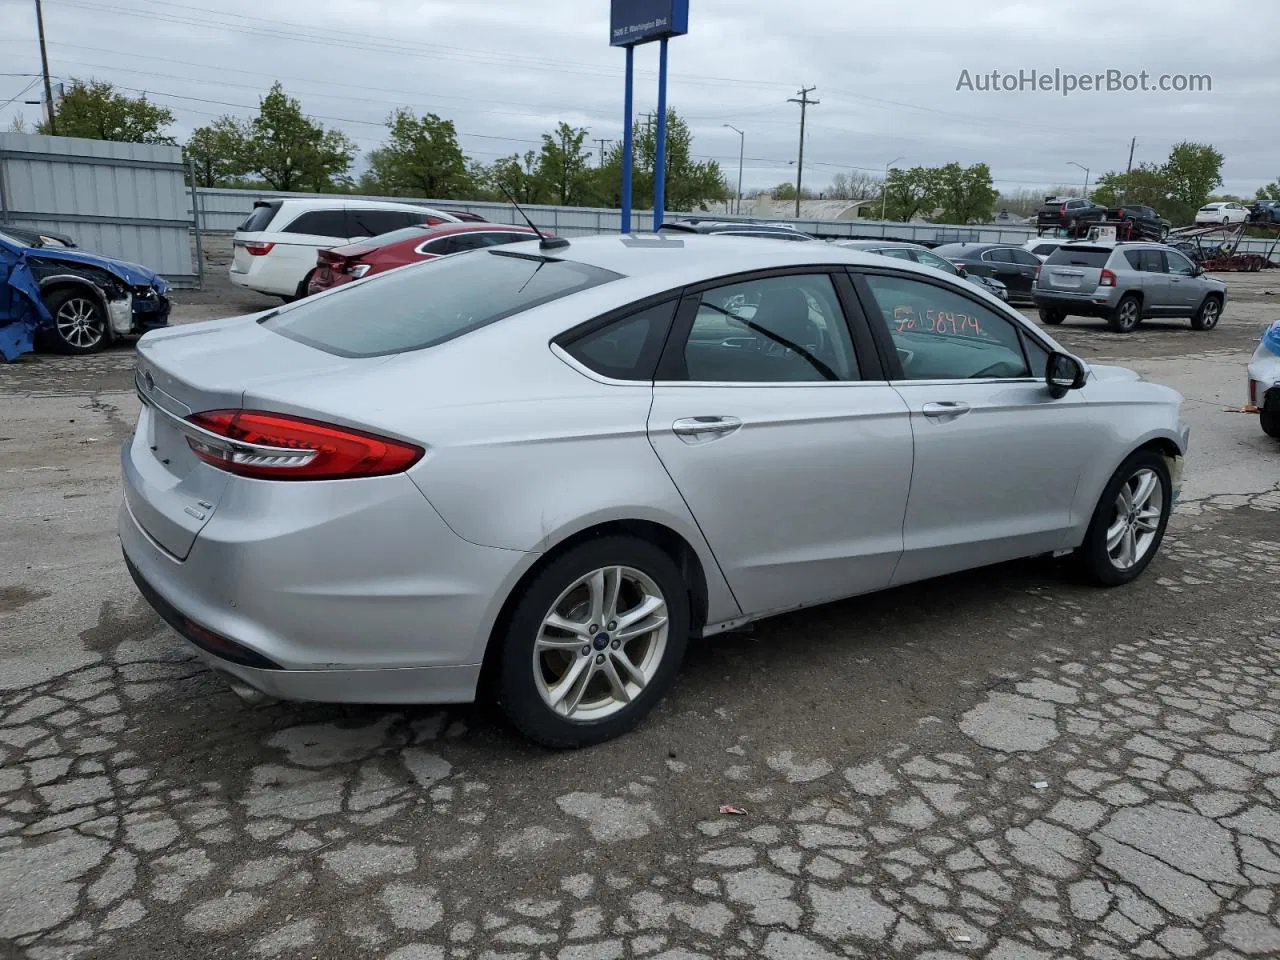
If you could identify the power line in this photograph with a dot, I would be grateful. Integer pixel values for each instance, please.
(20, 93)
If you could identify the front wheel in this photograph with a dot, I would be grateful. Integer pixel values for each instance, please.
(1270, 422)
(1129, 521)
(1206, 318)
(1052, 315)
(594, 643)
(1124, 318)
(79, 322)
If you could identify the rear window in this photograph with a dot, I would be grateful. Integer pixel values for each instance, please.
(261, 216)
(1080, 256)
(395, 236)
(428, 304)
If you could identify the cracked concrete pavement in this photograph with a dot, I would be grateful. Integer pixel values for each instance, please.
(1001, 764)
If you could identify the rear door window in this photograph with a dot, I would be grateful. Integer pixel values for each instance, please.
(320, 223)
(627, 348)
(261, 216)
(1024, 258)
(1079, 257)
(409, 310)
(372, 223)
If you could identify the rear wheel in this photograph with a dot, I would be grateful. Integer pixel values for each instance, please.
(1052, 315)
(594, 643)
(304, 285)
(79, 321)
(1270, 422)
(1129, 521)
(1206, 318)
(1124, 318)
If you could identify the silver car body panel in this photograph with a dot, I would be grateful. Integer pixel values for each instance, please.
(388, 589)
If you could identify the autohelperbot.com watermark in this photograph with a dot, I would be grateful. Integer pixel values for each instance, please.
(1065, 83)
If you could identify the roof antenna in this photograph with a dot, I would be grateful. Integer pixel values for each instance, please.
(545, 242)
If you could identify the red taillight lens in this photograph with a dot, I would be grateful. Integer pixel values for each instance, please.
(1107, 279)
(1062, 210)
(258, 249)
(272, 446)
(1038, 271)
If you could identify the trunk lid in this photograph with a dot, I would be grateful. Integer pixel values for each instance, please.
(171, 492)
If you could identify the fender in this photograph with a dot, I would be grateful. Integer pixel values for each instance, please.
(119, 310)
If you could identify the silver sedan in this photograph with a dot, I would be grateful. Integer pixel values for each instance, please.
(538, 471)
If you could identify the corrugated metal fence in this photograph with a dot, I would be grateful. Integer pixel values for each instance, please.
(124, 200)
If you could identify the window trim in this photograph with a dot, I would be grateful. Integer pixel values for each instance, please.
(671, 362)
(420, 251)
(889, 351)
(559, 343)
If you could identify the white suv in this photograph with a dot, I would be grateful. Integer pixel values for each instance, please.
(274, 250)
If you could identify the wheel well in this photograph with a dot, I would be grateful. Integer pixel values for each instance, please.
(70, 283)
(1163, 446)
(1136, 294)
(670, 542)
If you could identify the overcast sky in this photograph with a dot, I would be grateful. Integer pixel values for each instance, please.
(886, 75)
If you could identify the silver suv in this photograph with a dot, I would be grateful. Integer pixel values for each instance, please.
(1125, 282)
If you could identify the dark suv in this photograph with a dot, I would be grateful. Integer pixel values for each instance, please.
(1265, 211)
(1146, 223)
(1068, 212)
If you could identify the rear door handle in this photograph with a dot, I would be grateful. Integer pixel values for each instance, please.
(944, 410)
(703, 429)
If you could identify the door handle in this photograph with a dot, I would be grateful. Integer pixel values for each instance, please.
(703, 429)
(944, 410)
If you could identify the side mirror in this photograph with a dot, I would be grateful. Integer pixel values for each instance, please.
(1062, 374)
(960, 269)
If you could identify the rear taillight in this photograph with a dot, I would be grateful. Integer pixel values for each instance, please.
(1107, 279)
(1038, 271)
(1062, 210)
(272, 446)
(257, 249)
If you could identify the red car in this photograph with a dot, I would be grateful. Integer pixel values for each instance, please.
(410, 245)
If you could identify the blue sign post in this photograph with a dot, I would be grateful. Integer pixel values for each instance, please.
(631, 23)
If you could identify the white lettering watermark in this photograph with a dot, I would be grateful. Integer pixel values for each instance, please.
(1058, 81)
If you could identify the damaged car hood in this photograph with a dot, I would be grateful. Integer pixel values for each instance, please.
(133, 274)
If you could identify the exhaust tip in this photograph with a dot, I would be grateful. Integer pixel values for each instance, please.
(246, 692)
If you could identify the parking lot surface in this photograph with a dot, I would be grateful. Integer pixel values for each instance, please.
(1002, 763)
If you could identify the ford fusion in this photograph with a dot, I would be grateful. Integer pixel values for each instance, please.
(551, 465)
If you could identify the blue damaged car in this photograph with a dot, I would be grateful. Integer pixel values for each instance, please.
(86, 300)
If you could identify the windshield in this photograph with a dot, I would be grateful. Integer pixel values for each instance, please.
(424, 305)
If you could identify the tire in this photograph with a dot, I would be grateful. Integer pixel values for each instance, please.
(1270, 422)
(1164, 233)
(1052, 315)
(303, 285)
(1106, 566)
(1127, 314)
(529, 679)
(79, 322)
(1226, 221)
(1206, 318)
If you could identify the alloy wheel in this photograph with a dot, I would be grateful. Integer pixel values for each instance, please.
(1129, 314)
(601, 643)
(80, 323)
(1209, 315)
(1136, 521)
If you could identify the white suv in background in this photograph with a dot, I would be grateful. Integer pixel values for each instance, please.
(274, 250)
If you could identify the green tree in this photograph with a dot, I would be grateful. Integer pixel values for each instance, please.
(1193, 171)
(421, 158)
(690, 185)
(218, 152)
(518, 176)
(1270, 192)
(94, 109)
(964, 194)
(290, 151)
(1146, 184)
(909, 192)
(564, 165)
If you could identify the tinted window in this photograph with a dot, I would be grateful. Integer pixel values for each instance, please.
(998, 256)
(786, 329)
(260, 217)
(1024, 258)
(412, 309)
(395, 236)
(929, 260)
(1178, 264)
(1038, 356)
(899, 253)
(371, 223)
(626, 349)
(954, 251)
(1080, 256)
(496, 238)
(943, 335)
(320, 223)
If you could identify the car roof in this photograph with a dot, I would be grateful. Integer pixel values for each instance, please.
(303, 204)
(972, 246)
(475, 226)
(886, 244)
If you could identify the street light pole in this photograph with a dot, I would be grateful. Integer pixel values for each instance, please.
(742, 147)
(1086, 176)
(884, 188)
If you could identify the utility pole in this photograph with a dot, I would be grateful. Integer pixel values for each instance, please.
(44, 63)
(1124, 194)
(603, 145)
(742, 147)
(805, 104)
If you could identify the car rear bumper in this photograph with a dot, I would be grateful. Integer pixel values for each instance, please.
(377, 602)
(1097, 304)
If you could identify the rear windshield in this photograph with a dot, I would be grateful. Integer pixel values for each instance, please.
(258, 220)
(395, 236)
(1080, 256)
(429, 303)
